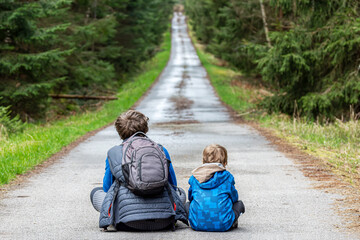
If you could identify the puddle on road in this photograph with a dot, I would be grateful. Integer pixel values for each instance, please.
(175, 134)
(175, 122)
(181, 103)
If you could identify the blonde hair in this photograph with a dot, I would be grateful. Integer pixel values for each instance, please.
(215, 153)
(131, 122)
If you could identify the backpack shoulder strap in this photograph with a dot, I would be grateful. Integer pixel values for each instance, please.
(162, 148)
(138, 133)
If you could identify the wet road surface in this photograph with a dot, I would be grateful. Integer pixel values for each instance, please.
(183, 93)
(280, 202)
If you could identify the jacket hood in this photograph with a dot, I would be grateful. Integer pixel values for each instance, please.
(207, 171)
(210, 176)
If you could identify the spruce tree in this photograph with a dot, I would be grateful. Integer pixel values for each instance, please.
(73, 46)
(29, 58)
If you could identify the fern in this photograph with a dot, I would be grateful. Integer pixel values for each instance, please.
(9, 125)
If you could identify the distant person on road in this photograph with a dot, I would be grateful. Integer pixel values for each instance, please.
(127, 209)
(214, 204)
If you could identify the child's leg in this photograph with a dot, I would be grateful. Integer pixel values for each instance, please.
(238, 209)
(187, 207)
(97, 196)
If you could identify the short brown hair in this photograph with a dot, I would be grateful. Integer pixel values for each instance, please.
(215, 153)
(131, 122)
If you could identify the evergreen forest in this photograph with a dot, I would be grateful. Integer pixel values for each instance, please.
(72, 47)
(306, 51)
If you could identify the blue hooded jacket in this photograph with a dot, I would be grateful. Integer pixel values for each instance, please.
(211, 202)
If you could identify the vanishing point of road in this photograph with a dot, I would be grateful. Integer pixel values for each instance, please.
(185, 116)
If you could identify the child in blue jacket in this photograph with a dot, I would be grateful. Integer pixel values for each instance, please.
(214, 204)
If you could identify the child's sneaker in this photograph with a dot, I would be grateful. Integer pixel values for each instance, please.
(242, 208)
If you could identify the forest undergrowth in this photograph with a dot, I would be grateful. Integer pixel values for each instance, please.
(306, 51)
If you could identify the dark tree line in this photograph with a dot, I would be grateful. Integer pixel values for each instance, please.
(308, 51)
(73, 47)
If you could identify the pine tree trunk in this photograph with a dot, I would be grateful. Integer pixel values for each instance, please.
(263, 14)
(95, 6)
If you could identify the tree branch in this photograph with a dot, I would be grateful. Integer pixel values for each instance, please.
(68, 96)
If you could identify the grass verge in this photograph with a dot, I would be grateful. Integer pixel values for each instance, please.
(22, 152)
(337, 144)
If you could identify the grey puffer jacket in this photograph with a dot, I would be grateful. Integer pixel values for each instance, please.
(123, 206)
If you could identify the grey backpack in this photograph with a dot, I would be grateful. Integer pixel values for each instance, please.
(144, 165)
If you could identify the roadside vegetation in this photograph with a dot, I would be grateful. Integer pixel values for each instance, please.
(22, 151)
(336, 143)
(306, 51)
(76, 47)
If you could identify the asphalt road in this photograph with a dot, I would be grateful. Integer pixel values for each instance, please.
(185, 116)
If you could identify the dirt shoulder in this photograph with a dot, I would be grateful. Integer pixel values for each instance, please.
(322, 175)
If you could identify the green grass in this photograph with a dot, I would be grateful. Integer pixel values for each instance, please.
(337, 143)
(22, 152)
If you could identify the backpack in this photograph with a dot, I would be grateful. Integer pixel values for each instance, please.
(144, 165)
